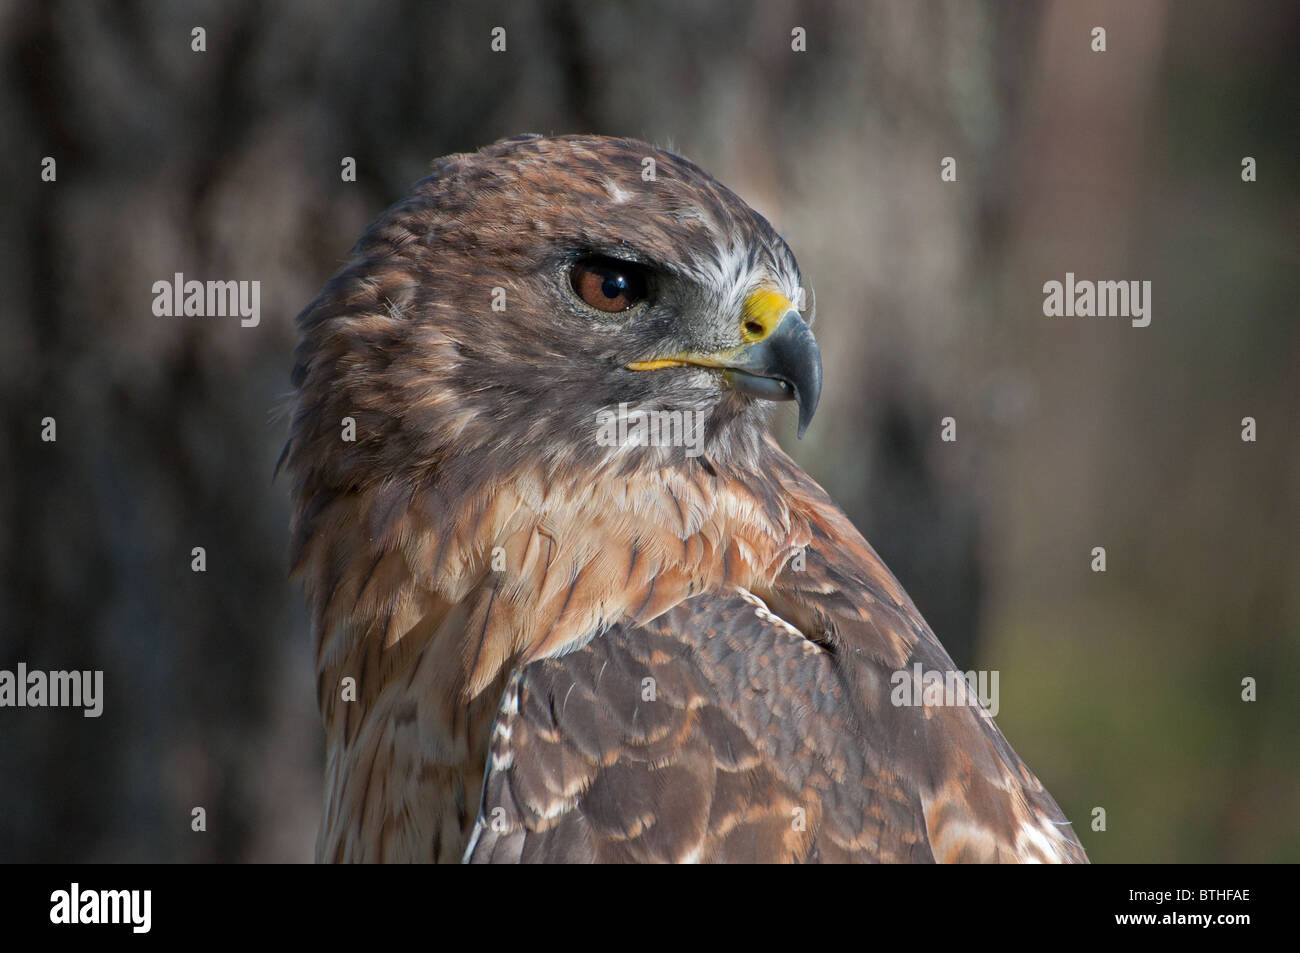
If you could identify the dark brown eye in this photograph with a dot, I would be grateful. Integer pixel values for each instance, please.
(607, 284)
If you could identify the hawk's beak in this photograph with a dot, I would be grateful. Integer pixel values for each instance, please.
(780, 360)
(784, 365)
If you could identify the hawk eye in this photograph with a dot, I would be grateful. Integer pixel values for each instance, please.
(608, 284)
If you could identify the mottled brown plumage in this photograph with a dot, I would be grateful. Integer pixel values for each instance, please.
(565, 650)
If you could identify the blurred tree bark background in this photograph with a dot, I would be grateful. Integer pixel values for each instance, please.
(1121, 690)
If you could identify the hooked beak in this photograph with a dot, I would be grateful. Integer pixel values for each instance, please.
(780, 360)
(785, 365)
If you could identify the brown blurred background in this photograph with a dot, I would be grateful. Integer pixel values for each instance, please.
(1121, 689)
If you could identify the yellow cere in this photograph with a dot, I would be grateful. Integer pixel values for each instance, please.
(763, 311)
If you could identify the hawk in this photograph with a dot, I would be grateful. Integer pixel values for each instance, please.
(540, 637)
